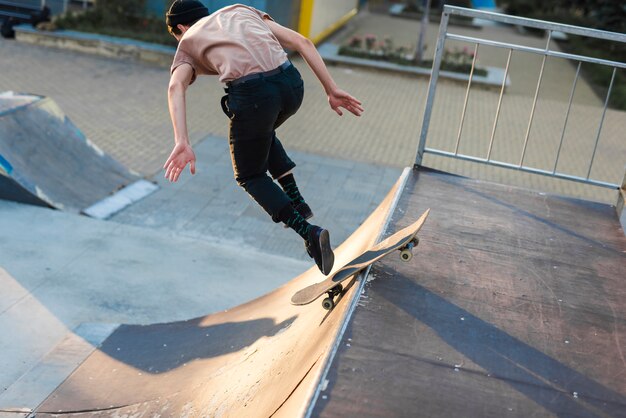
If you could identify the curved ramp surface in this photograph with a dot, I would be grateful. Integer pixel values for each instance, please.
(259, 359)
(45, 160)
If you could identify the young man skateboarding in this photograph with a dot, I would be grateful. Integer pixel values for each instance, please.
(244, 47)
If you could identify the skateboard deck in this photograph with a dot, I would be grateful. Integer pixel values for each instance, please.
(404, 240)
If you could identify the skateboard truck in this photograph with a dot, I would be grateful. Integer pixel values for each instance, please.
(329, 302)
(406, 252)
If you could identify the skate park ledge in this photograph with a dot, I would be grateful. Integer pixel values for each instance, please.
(107, 46)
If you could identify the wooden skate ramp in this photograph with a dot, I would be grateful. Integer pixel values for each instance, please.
(256, 360)
(514, 305)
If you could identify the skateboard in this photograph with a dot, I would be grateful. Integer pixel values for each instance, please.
(404, 241)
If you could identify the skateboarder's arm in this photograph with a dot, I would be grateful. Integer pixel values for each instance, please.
(337, 98)
(179, 82)
(182, 154)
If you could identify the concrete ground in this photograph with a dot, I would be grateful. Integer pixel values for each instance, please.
(59, 270)
(211, 207)
(168, 258)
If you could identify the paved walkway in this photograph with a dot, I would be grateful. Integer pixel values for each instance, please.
(524, 68)
(122, 107)
(548, 121)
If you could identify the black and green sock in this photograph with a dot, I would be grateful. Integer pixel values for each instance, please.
(292, 218)
(288, 183)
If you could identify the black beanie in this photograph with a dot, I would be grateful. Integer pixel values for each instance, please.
(185, 11)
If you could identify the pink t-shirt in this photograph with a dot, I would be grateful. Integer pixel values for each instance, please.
(232, 42)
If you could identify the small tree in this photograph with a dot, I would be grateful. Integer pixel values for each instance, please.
(601, 14)
(419, 51)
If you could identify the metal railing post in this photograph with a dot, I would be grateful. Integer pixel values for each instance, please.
(532, 112)
(569, 107)
(495, 121)
(432, 85)
(545, 52)
(621, 203)
(606, 104)
(467, 94)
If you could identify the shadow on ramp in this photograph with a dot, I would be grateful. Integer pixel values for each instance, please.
(556, 387)
(513, 306)
(166, 342)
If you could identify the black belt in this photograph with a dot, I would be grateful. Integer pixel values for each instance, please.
(254, 76)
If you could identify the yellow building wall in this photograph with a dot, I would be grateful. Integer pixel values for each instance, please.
(319, 18)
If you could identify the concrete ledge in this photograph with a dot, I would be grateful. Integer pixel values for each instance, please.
(330, 53)
(121, 199)
(103, 45)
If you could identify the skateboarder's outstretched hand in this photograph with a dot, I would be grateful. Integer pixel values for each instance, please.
(338, 98)
(181, 155)
(292, 40)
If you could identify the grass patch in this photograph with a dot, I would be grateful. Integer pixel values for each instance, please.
(104, 22)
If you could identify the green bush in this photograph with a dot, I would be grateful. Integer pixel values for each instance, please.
(618, 97)
(369, 47)
(608, 15)
(121, 9)
(121, 18)
(600, 75)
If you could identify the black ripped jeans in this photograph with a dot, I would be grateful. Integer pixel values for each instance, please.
(256, 108)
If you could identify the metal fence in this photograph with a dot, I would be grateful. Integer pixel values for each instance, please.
(550, 28)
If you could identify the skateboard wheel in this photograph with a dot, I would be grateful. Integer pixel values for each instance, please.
(415, 241)
(406, 255)
(328, 304)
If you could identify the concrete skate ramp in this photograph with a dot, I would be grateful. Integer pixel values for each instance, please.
(45, 160)
(259, 359)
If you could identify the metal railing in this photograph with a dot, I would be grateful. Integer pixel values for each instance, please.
(549, 27)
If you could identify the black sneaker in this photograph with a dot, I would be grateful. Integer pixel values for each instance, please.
(318, 247)
(304, 210)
